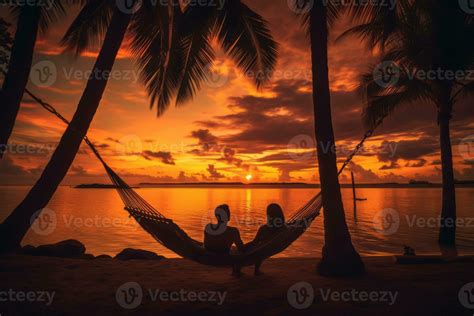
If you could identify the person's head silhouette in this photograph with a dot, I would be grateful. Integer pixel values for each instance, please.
(275, 216)
(222, 213)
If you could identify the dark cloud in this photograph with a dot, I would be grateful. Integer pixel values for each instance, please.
(206, 140)
(9, 168)
(114, 140)
(183, 178)
(77, 170)
(368, 176)
(101, 145)
(392, 165)
(267, 122)
(229, 157)
(393, 151)
(213, 173)
(165, 157)
(420, 163)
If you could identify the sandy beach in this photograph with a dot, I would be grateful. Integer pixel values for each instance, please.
(56, 286)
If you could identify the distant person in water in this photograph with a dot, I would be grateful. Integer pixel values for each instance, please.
(219, 238)
(275, 224)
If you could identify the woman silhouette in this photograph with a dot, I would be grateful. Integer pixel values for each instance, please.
(275, 224)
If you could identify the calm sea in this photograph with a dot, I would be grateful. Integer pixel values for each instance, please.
(96, 217)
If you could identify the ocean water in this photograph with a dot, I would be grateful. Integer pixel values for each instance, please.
(388, 220)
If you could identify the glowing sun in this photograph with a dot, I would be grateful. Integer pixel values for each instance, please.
(248, 177)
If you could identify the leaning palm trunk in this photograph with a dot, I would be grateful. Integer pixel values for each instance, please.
(339, 256)
(447, 232)
(17, 224)
(18, 71)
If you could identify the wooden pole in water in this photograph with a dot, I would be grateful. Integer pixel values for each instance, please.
(354, 196)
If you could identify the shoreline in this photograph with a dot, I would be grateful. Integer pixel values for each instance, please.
(82, 286)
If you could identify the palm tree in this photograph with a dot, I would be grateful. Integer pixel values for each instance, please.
(31, 18)
(174, 55)
(432, 42)
(339, 256)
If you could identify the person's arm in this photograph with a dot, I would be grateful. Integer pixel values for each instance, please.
(258, 237)
(238, 241)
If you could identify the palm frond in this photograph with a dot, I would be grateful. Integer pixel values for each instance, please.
(383, 100)
(246, 38)
(50, 15)
(89, 27)
(159, 52)
(199, 56)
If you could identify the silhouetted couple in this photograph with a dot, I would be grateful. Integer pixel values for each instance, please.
(221, 238)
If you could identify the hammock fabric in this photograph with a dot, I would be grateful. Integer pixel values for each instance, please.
(170, 235)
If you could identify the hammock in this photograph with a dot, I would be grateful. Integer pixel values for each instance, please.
(170, 235)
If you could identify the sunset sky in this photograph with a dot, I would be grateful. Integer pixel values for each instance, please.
(230, 130)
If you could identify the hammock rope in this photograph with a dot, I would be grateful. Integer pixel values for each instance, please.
(167, 233)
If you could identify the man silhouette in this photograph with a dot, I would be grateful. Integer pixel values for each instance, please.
(219, 238)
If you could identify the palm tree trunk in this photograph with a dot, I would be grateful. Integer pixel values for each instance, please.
(447, 232)
(17, 224)
(339, 256)
(18, 70)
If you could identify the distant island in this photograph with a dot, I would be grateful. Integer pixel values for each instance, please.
(295, 185)
(96, 186)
